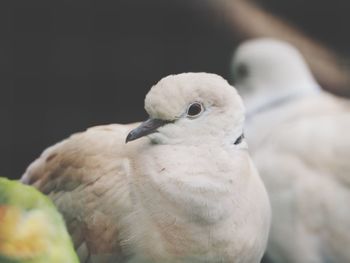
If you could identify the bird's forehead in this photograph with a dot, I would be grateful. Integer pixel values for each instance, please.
(171, 95)
(261, 52)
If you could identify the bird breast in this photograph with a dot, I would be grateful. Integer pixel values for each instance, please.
(201, 204)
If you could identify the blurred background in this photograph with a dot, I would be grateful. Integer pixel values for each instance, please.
(70, 64)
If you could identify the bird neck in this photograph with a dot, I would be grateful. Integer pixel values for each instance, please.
(274, 101)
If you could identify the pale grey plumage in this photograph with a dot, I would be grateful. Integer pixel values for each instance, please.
(186, 193)
(299, 140)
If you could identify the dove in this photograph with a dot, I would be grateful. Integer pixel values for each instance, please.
(298, 138)
(31, 228)
(179, 187)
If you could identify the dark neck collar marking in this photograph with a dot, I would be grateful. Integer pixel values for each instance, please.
(279, 101)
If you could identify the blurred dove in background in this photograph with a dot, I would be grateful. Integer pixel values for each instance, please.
(186, 192)
(299, 139)
(31, 229)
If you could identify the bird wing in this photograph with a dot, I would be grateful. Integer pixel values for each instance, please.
(86, 176)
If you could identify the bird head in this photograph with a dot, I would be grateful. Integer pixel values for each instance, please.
(268, 69)
(192, 108)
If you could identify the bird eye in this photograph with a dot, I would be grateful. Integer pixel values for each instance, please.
(194, 110)
(239, 139)
(242, 71)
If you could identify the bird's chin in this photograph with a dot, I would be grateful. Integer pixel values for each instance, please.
(156, 138)
(162, 138)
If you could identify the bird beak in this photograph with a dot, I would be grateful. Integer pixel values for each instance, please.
(145, 128)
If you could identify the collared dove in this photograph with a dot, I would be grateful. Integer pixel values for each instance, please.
(31, 229)
(186, 191)
(299, 139)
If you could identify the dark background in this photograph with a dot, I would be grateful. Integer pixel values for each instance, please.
(70, 64)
